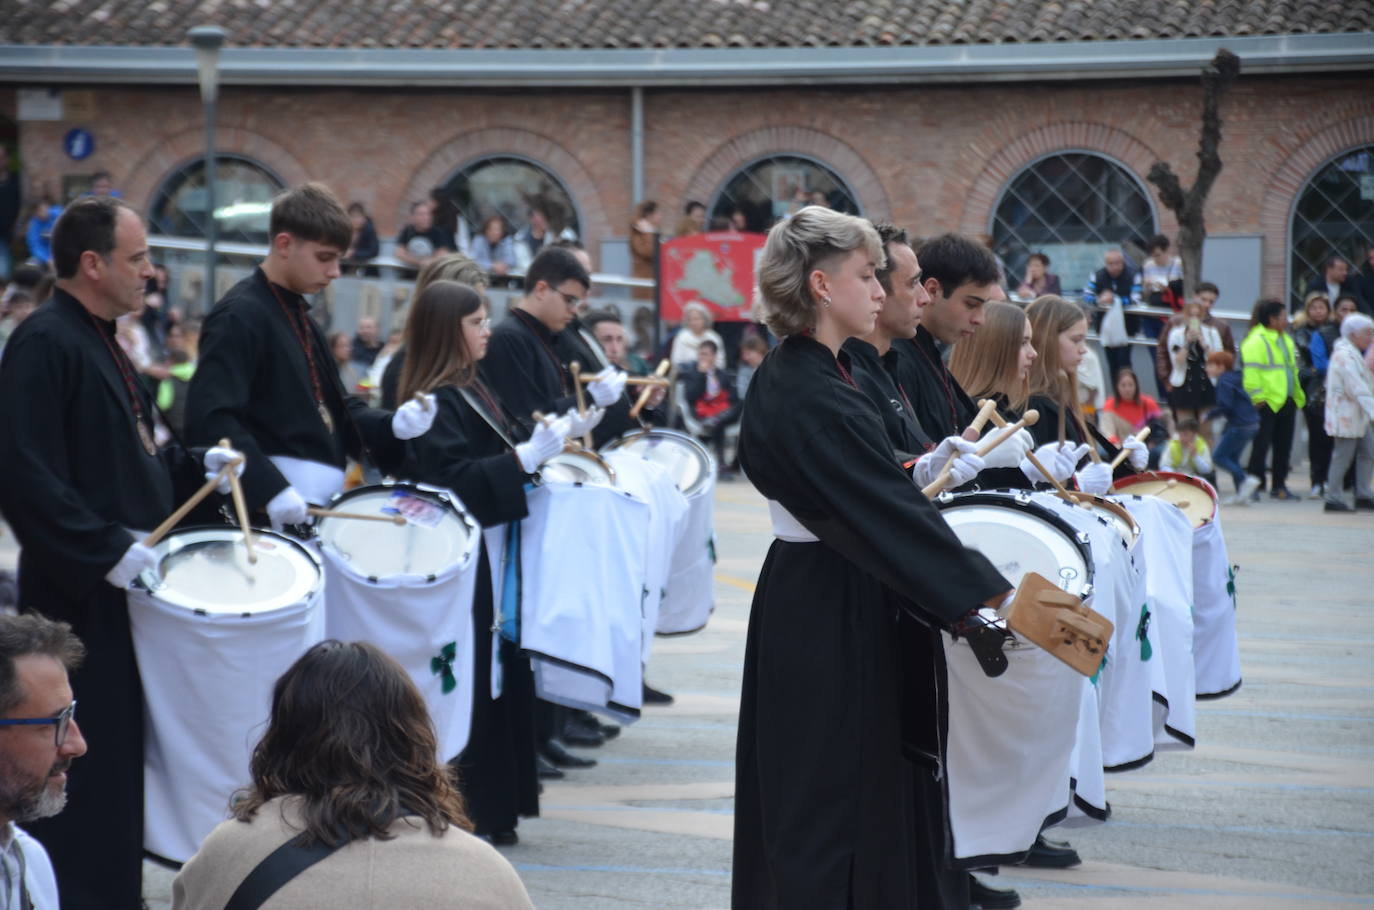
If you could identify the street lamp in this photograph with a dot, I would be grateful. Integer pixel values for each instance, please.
(207, 40)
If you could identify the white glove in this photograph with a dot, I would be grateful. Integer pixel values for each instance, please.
(608, 386)
(1059, 460)
(583, 424)
(286, 508)
(133, 563)
(414, 418)
(1095, 478)
(546, 442)
(1140, 453)
(1010, 453)
(962, 469)
(215, 460)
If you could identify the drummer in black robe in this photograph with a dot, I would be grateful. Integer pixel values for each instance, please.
(824, 809)
(265, 379)
(80, 471)
(478, 450)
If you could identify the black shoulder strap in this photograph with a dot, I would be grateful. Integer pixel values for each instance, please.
(280, 866)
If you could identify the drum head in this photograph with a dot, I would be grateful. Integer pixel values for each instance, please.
(1195, 496)
(435, 537)
(686, 460)
(1020, 536)
(207, 570)
(577, 466)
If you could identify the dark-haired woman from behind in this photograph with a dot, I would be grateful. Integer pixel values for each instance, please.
(348, 765)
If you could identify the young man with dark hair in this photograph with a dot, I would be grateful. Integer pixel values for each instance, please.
(711, 396)
(81, 469)
(265, 378)
(422, 241)
(39, 738)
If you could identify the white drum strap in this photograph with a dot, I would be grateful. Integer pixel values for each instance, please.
(786, 527)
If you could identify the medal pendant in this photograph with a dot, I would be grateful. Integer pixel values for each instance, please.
(145, 437)
(326, 417)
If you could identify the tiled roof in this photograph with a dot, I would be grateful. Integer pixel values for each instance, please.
(531, 24)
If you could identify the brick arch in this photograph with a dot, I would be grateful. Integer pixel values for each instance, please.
(189, 145)
(457, 151)
(998, 169)
(841, 158)
(1288, 181)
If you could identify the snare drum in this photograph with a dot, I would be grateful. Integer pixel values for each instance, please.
(574, 465)
(212, 633)
(690, 594)
(1114, 513)
(1195, 496)
(408, 590)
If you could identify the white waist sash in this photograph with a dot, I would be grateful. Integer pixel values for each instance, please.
(315, 481)
(786, 527)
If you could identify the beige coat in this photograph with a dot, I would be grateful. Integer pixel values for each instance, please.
(1349, 392)
(413, 869)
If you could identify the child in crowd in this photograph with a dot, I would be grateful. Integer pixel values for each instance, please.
(1188, 453)
(1242, 423)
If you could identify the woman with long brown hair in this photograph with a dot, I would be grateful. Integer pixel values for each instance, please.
(347, 768)
(475, 449)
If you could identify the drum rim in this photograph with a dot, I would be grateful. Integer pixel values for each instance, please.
(580, 452)
(1112, 506)
(445, 496)
(1023, 501)
(1199, 482)
(708, 460)
(160, 549)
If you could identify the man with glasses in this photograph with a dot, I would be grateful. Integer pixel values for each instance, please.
(39, 737)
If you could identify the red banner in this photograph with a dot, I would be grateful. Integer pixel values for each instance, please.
(716, 269)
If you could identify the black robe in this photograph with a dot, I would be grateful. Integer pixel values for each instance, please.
(825, 809)
(464, 453)
(253, 385)
(877, 376)
(75, 477)
(1046, 430)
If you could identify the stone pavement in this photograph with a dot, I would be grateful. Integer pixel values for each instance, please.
(1274, 809)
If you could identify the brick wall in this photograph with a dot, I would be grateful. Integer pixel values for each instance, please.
(931, 158)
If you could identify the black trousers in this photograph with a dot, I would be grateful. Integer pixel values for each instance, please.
(1275, 431)
(1318, 444)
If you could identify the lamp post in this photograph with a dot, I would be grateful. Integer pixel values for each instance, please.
(207, 40)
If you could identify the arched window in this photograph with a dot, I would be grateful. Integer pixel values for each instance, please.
(513, 188)
(1073, 207)
(777, 186)
(1333, 215)
(243, 200)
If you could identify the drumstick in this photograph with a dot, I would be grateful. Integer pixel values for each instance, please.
(1059, 487)
(236, 490)
(634, 380)
(1143, 435)
(1028, 419)
(333, 513)
(576, 369)
(420, 398)
(171, 520)
(1087, 437)
(662, 370)
(986, 408)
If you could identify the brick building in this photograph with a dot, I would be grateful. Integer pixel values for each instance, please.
(1035, 122)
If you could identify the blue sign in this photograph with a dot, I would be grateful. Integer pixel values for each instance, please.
(79, 144)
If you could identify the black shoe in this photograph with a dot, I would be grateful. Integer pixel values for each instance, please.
(1281, 493)
(1362, 503)
(545, 769)
(608, 731)
(575, 734)
(989, 898)
(653, 696)
(588, 723)
(1051, 855)
(1337, 507)
(558, 754)
(504, 838)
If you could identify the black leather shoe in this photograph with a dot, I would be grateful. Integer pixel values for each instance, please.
(1047, 855)
(558, 754)
(1362, 503)
(1337, 507)
(608, 731)
(545, 770)
(504, 838)
(576, 735)
(653, 696)
(583, 724)
(984, 895)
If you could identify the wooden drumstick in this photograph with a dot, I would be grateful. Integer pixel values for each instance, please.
(1087, 437)
(185, 509)
(1059, 487)
(332, 513)
(663, 367)
(1028, 419)
(986, 408)
(1143, 435)
(241, 508)
(634, 380)
(576, 369)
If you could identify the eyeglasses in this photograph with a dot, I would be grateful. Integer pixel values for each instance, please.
(62, 721)
(570, 300)
(484, 324)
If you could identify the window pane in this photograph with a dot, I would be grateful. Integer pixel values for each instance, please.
(772, 188)
(510, 187)
(1334, 215)
(243, 200)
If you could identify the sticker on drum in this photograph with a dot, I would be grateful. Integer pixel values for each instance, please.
(577, 466)
(436, 535)
(687, 461)
(1020, 536)
(207, 570)
(1194, 496)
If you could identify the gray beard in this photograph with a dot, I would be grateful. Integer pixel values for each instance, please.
(25, 804)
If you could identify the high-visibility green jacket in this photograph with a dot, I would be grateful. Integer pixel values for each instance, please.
(1269, 368)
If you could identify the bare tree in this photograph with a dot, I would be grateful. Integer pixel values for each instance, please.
(1187, 205)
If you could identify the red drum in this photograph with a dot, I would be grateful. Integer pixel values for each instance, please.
(1195, 496)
